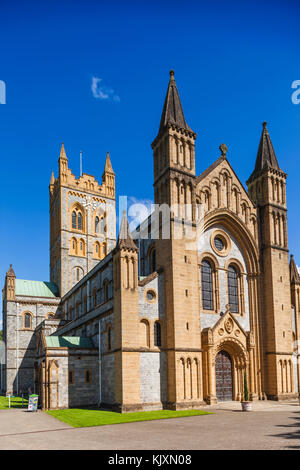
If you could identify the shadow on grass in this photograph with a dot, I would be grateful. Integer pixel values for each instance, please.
(15, 403)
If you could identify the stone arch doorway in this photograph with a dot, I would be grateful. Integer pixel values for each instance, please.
(224, 376)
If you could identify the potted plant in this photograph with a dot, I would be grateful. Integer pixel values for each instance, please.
(246, 404)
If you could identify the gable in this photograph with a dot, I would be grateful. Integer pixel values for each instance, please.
(216, 173)
(219, 188)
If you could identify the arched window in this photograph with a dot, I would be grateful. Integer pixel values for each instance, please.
(74, 220)
(102, 225)
(27, 320)
(97, 252)
(233, 289)
(105, 290)
(157, 334)
(79, 221)
(97, 224)
(207, 286)
(88, 376)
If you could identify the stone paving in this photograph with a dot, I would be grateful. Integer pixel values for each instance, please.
(270, 425)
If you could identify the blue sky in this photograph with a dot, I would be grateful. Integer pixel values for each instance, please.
(234, 65)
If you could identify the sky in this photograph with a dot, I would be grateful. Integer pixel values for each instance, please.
(94, 76)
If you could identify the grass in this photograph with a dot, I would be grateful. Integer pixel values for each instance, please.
(15, 402)
(79, 418)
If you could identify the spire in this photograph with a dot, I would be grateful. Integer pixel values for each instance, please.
(52, 181)
(266, 157)
(108, 167)
(125, 239)
(63, 152)
(10, 272)
(294, 273)
(172, 111)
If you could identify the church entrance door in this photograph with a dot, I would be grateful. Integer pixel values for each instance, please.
(224, 386)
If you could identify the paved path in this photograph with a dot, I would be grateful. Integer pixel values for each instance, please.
(268, 426)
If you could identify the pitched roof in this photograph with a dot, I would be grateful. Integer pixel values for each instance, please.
(209, 169)
(294, 273)
(172, 110)
(266, 157)
(10, 272)
(68, 342)
(125, 239)
(36, 288)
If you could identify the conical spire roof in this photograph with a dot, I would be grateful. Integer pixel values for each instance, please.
(108, 166)
(125, 239)
(62, 151)
(294, 273)
(10, 272)
(266, 157)
(172, 110)
(52, 181)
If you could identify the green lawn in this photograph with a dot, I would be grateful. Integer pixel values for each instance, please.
(79, 418)
(15, 402)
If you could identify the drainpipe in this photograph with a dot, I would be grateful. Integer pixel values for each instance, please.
(99, 361)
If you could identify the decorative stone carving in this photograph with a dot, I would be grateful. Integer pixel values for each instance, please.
(228, 325)
(221, 331)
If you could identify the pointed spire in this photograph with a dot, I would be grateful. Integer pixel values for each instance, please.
(10, 272)
(52, 181)
(294, 273)
(125, 239)
(172, 110)
(63, 152)
(266, 157)
(108, 166)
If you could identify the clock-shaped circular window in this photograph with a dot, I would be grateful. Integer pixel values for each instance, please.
(220, 242)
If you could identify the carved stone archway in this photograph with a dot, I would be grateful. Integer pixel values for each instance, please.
(228, 336)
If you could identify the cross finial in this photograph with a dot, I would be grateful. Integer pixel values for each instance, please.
(223, 148)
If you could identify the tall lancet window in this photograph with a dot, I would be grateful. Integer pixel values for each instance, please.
(74, 220)
(79, 221)
(102, 225)
(207, 286)
(233, 289)
(97, 225)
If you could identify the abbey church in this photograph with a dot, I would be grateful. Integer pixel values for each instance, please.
(173, 314)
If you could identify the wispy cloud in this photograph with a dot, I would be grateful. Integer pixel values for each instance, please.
(102, 92)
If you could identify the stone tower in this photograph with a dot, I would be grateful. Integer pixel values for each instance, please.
(267, 188)
(174, 186)
(126, 321)
(82, 222)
